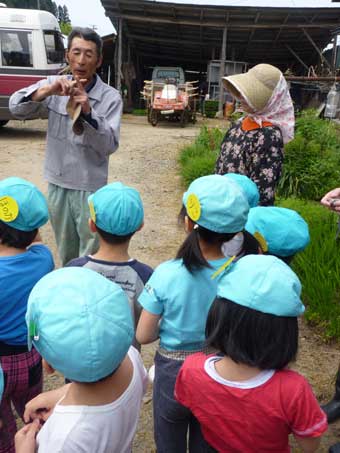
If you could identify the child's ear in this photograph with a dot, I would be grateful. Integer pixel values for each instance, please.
(188, 224)
(47, 367)
(92, 226)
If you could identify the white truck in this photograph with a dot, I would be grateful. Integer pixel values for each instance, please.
(31, 48)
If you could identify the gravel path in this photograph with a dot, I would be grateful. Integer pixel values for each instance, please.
(147, 160)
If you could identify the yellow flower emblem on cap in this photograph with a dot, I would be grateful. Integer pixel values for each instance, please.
(92, 211)
(9, 209)
(261, 240)
(193, 207)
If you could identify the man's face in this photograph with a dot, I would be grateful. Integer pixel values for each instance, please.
(83, 58)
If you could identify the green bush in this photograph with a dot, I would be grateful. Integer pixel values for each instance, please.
(312, 160)
(210, 108)
(199, 158)
(318, 267)
(197, 167)
(139, 112)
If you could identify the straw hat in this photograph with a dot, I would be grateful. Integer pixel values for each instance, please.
(257, 85)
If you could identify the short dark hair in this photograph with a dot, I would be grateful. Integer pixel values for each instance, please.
(89, 35)
(16, 238)
(113, 239)
(251, 337)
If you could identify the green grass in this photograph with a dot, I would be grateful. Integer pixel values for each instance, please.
(318, 267)
(312, 167)
(199, 158)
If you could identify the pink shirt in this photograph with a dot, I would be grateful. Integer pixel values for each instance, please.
(250, 416)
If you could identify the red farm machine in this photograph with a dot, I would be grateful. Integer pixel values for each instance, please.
(171, 101)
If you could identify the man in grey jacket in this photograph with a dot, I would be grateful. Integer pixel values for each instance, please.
(83, 130)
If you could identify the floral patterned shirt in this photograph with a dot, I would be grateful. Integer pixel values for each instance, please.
(256, 153)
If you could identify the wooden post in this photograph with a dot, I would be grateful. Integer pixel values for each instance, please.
(223, 58)
(119, 54)
(335, 53)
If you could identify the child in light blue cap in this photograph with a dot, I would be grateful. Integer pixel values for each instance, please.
(177, 298)
(248, 186)
(23, 261)
(281, 232)
(116, 215)
(243, 240)
(81, 324)
(245, 397)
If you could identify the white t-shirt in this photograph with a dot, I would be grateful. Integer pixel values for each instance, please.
(97, 429)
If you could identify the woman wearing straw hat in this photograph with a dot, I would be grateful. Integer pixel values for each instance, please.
(253, 146)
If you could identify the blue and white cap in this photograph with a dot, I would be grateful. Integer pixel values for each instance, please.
(263, 283)
(22, 205)
(284, 231)
(217, 204)
(250, 189)
(80, 322)
(117, 209)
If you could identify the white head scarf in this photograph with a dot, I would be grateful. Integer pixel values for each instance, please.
(279, 111)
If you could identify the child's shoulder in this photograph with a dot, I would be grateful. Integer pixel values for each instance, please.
(290, 380)
(195, 361)
(143, 270)
(41, 252)
(78, 262)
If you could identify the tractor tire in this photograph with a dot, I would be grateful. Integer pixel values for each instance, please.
(184, 118)
(154, 118)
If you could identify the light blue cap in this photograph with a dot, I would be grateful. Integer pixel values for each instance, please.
(284, 230)
(117, 209)
(80, 322)
(216, 203)
(263, 283)
(2, 383)
(250, 189)
(22, 205)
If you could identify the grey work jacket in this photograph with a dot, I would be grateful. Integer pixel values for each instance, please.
(75, 161)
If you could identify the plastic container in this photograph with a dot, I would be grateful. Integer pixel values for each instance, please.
(332, 103)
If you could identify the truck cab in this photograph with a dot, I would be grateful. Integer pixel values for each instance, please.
(31, 48)
(161, 74)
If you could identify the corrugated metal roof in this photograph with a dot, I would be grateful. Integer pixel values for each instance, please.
(166, 33)
(256, 3)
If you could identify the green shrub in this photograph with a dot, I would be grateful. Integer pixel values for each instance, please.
(197, 167)
(312, 160)
(318, 267)
(139, 112)
(211, 108)
(199, 158)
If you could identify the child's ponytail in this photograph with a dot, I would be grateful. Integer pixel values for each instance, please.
(190, 251)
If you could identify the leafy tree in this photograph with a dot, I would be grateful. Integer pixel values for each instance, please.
(66, 16)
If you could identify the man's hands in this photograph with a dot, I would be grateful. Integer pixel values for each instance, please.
(65, 87)
(332, 200)
(25, 438)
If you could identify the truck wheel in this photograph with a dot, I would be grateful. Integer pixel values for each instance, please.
(154, 118)
(184, 118)
(3, 122)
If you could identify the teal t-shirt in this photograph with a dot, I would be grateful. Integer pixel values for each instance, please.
(183, 300)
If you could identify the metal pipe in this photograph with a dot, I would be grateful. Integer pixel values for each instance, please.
(312, 79)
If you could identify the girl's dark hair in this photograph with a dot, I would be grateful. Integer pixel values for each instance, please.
(16, 238)
(251, 245)
(251, 337)
(113, 239)
(190, 251)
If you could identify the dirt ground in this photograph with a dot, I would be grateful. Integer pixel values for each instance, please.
(146, 160)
